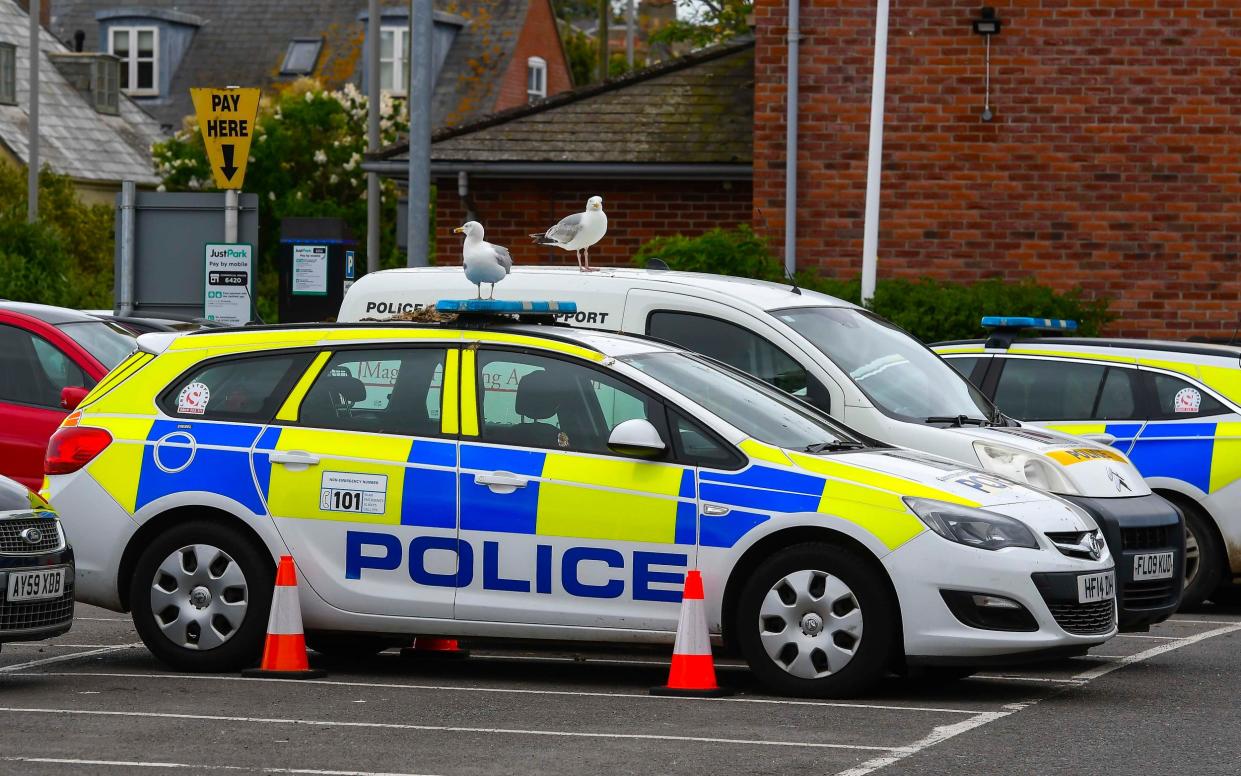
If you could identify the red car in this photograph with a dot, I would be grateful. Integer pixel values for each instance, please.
(49, 358)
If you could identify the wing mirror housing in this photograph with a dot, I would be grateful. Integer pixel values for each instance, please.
(637, 438)
(71, 396)
(1103, 439)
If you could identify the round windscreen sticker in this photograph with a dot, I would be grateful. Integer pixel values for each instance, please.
(1187, 400)
(193, 399)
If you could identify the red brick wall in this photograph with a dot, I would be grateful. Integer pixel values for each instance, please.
(1113, 162)
(511, 210)
(538, 39)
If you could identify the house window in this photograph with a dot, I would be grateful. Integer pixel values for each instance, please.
(301, 56)
(536, 78)
(393, 59)
(8, 74)
(105, 77)
(137, 48)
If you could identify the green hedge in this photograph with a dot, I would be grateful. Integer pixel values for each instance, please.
(931, 310)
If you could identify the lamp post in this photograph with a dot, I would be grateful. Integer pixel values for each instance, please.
(32, 158)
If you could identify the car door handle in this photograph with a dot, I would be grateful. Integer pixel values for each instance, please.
(501, 482)
(293, 458)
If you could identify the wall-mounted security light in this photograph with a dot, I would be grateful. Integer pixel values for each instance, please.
(986, 25)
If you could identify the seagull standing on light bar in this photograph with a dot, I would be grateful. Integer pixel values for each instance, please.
(483, 261)
(578, 232)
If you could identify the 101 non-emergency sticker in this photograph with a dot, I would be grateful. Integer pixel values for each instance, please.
(193, 399)
(351, 492)
(1187, 400)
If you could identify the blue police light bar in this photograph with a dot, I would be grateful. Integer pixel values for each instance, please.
(504, 307)
(1042, 324)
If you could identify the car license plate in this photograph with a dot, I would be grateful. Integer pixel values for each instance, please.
(35, 585)
(1096, 587)
(1152, 565)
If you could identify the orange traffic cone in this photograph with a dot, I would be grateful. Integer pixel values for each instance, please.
(284, 653)
(693, 672)
(436, 648)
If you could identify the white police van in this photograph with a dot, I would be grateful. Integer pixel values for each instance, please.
(846, 361)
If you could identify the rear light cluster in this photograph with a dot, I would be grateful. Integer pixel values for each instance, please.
(72, 447)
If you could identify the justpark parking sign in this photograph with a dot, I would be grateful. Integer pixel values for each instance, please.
(228, 280)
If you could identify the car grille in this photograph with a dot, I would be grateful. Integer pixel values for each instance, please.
(27, 615)
(1149, 595)
(1073, 543)
(11, 540)
(1149, 538)
(1085, 619)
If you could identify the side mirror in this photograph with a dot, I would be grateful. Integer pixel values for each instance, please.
(1103, 439)
(637, 438)
(71, 396)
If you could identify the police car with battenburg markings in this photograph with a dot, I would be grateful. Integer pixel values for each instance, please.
(485, 478)
(1173, 407)
(848, 362)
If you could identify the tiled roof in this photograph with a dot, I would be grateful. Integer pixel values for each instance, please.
(75, 139)
(696, 109)
(243, 42)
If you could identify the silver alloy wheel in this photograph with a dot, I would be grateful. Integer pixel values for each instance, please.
(810, 624)
(1193, 556)
(199, 597)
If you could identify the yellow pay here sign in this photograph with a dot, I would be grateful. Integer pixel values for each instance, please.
(226, 118)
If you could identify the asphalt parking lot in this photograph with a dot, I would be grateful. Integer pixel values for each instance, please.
(94, 701)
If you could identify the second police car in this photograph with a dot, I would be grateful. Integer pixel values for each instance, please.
(487, 479)
(852, 365)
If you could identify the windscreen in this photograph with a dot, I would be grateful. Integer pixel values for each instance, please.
(108, 343)
(899, 374)
(749, 405)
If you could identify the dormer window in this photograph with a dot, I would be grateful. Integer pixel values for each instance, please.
(105, 79)
(8, 74)
(138, 50)
(301, 56)
(393, 59)
(536, 78)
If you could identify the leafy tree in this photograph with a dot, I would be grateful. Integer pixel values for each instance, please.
(66, 258)
(305, 160)
(705, 22)
(582, 53)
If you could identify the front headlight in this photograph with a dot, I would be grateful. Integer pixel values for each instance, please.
(972, 527)
(1030, 468)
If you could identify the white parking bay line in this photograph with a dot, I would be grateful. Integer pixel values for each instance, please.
(514, 691)
(1146, 636)
(945, 732)
(195, 766)
(1018, 678)
(444, 728)
(1095, 673)
(66, 658)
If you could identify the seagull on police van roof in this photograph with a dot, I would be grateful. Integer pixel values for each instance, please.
(578, 232)
(484, 262)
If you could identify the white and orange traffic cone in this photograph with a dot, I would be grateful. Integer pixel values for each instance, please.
(693, 672)
(436, 648)
(284, 653)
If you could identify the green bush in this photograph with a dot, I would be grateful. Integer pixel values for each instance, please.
(64, 259)
(930, 309)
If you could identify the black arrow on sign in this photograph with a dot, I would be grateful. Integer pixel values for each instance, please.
(228, 168)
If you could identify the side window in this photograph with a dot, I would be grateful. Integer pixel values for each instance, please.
(391, 391)
(1118, 396)
(740, 348)
(236, 389)
(32, 370)
(535, 401)
(1032, 389)
(696, 445)
(1177, 399)
(964, 364)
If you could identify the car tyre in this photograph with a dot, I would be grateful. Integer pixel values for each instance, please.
(817, 620)
(221, 629)
(1202, 559)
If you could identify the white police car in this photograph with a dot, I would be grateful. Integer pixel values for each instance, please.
(483, 479)
(1173, 407)
(851, 364)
